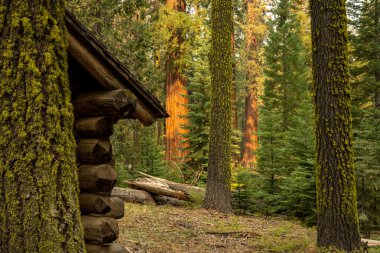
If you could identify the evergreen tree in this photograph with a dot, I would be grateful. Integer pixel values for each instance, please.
(219, 169)
(365, 70)
(152, 156)
(199, 82)
(286, 142)
(336, 186)
(39, 209)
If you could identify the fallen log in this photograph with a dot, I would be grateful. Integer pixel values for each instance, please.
(193, 192)
(164, 200)
(157, 187)
(100, 229)
(112, 248)
(133, 196)
(94, 151)
(116, 103)
(97, 178)
(94, 126)
(116, 209)
(93, 203)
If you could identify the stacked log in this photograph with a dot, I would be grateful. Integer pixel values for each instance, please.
(95, 114)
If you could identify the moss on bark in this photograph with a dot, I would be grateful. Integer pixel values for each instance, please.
(336, 192)
(219, 167)
(39, 188)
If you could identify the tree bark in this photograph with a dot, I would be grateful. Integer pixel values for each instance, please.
(218, 192)
(39, 209)
(175, 95)
(255, 36)
(336, 191)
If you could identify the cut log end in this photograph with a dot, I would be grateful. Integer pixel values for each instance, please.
(93, 203)
(100, 229)
(94, 151)
(97, 178)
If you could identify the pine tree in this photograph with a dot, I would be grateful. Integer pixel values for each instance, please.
(199, 82)
(336, 189)
(219, 168)
(365, 70)
(286, 143)
(152, 156)
(39, 209)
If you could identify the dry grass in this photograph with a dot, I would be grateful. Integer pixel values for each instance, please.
(149, 229)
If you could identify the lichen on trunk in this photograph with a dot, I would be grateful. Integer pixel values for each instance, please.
(219, 167)
(336, 191)
(39, 187)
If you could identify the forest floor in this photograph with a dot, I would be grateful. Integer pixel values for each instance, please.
(166, 229)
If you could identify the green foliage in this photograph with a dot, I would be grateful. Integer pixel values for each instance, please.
(152, 156)
(137, 148)
(286, 152)
(242, 191)
(365, 69)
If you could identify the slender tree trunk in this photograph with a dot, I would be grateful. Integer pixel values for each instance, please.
(175, 100)
(255, 35)
(39, 186)
(235, 123)
(377, 73)
(234, 91)
(219, 167)
(336, 191)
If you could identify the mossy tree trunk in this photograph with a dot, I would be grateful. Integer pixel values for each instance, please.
(219, 167)
(176, 92)
(39, 187)
(336, 191)
(255, 31)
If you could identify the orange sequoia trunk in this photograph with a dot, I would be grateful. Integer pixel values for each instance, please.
(175, 97)
(255, 35)
(251, 140)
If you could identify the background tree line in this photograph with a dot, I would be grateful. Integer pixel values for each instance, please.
(166, 44)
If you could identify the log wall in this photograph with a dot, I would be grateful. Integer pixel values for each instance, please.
(95, 114)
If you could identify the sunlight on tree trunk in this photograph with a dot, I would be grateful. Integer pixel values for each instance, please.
(175, 97)
(255, 33)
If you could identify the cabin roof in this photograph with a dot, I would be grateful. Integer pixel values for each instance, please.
(114, 68)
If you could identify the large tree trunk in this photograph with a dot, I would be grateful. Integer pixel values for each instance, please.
(175, 96)
(255, 35)
(218, 195)
(39, 209)
(336, 191)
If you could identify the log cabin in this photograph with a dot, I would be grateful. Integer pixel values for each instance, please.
(103, 92)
